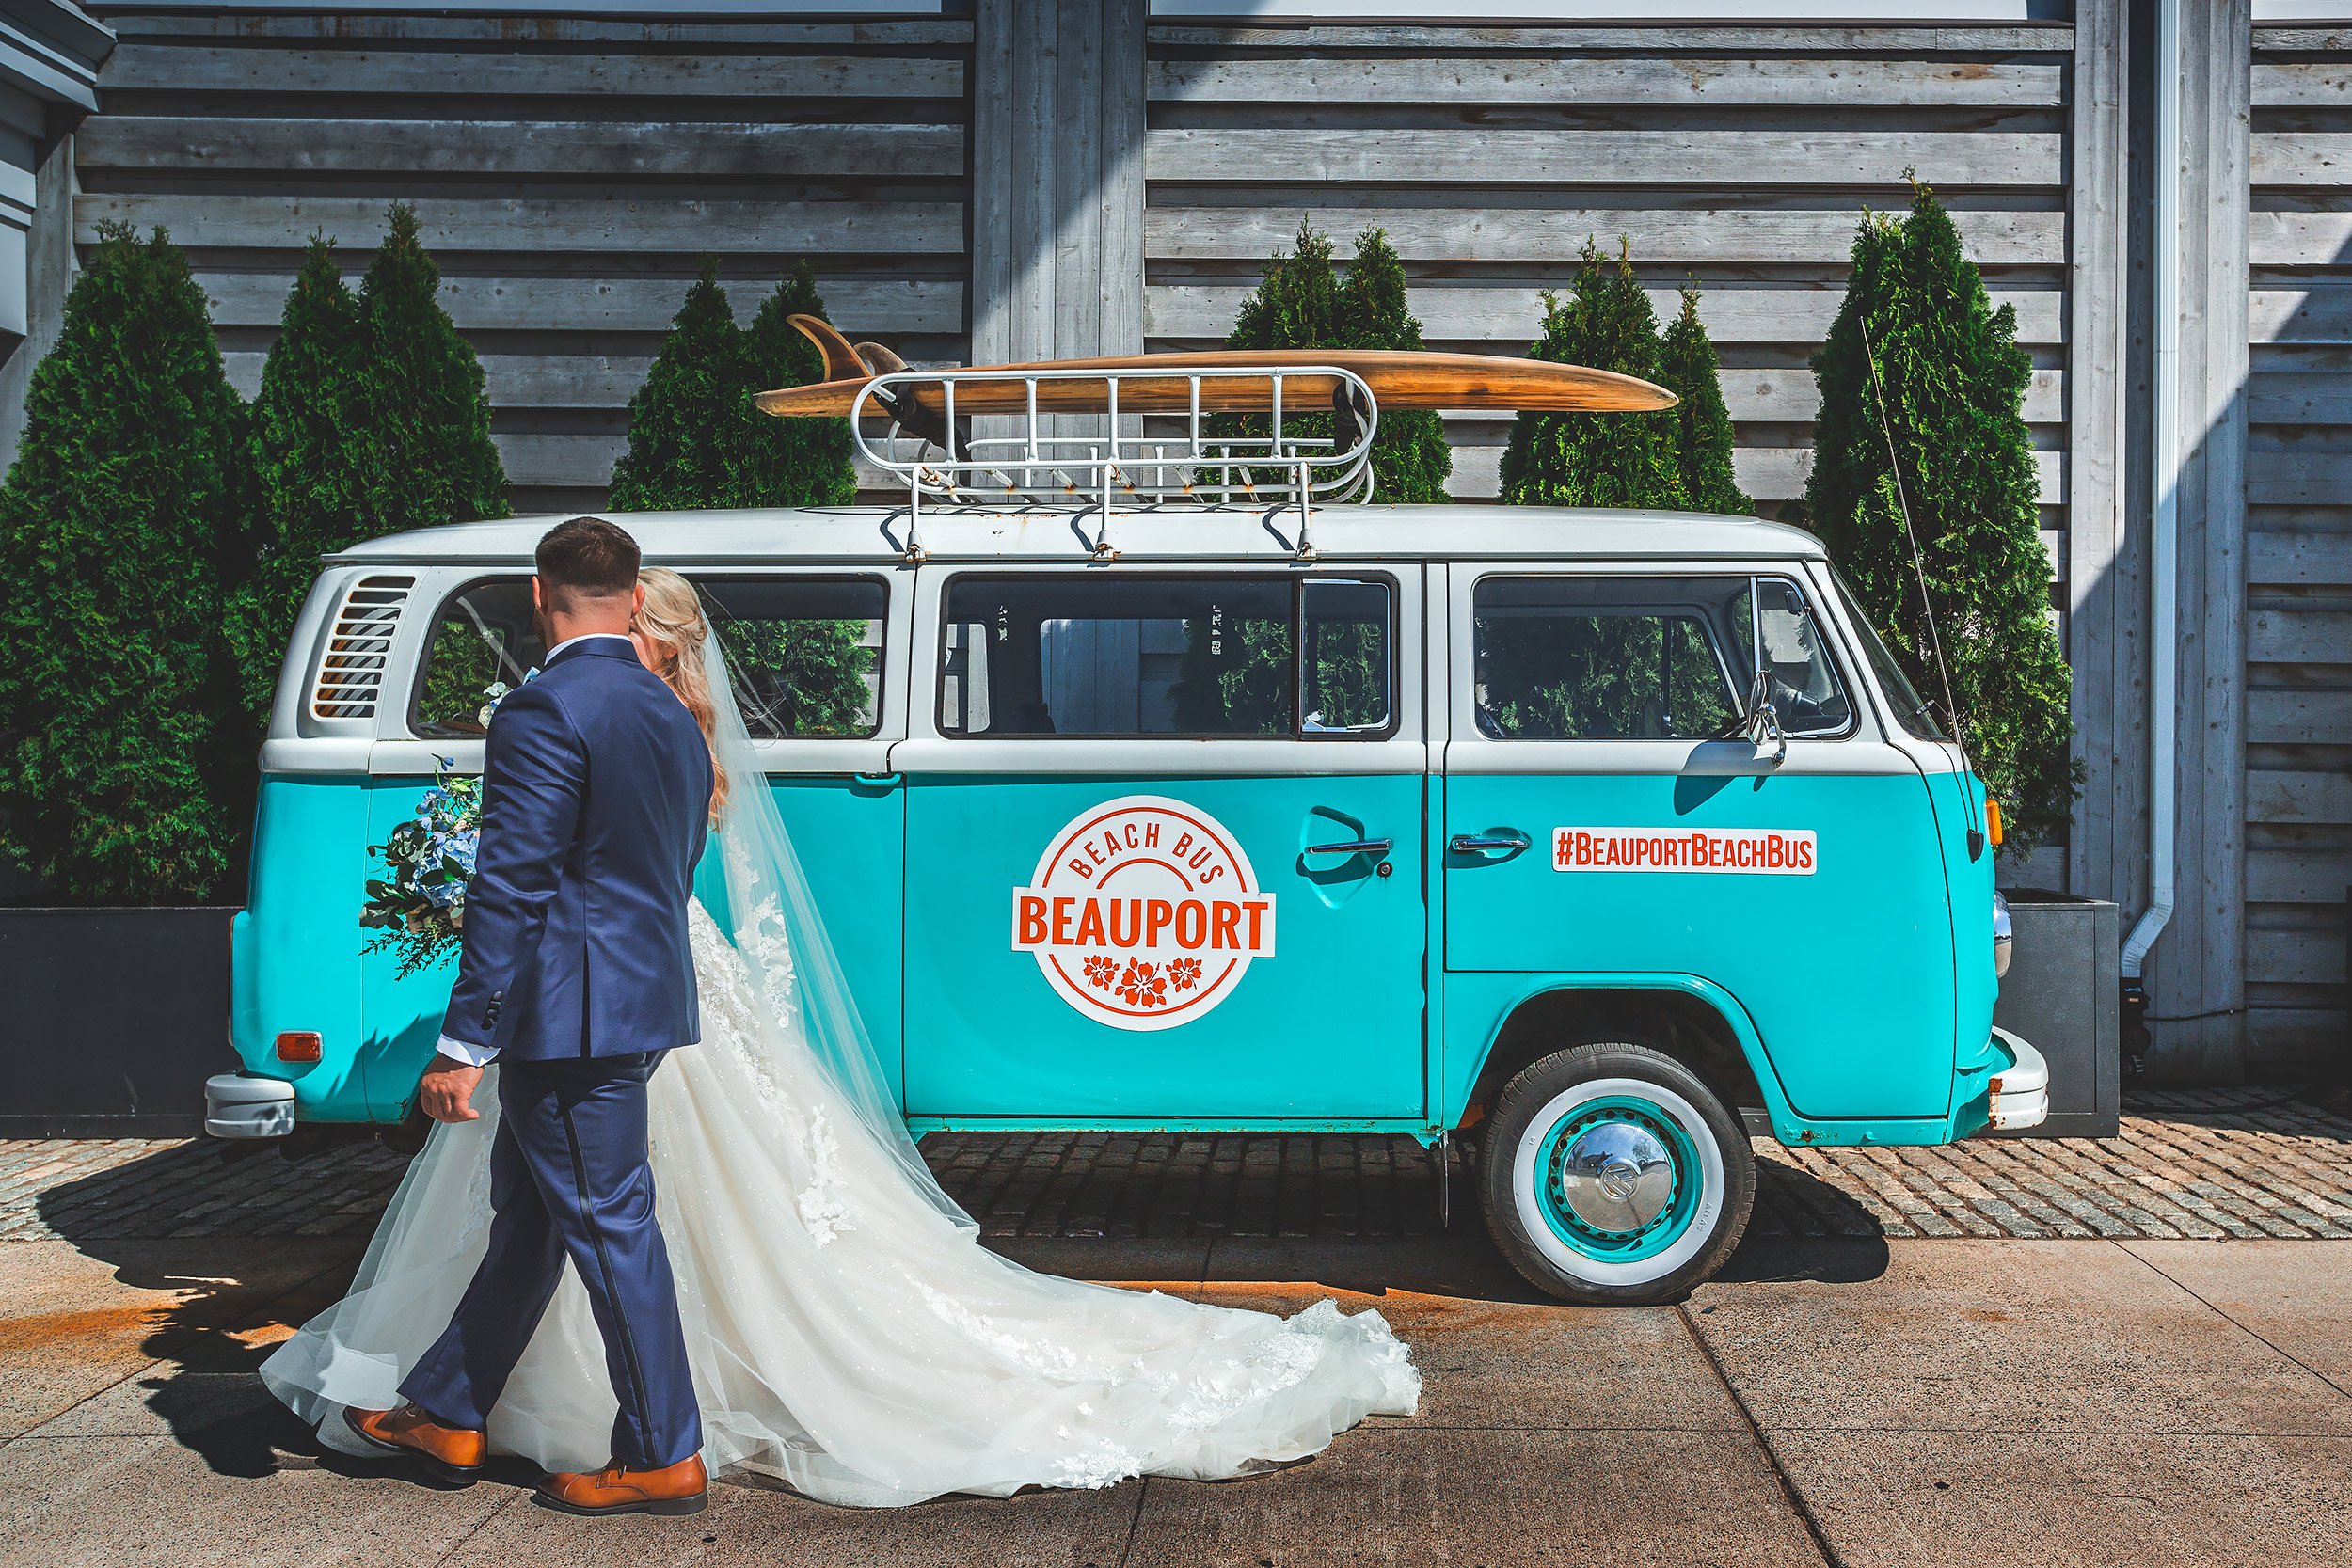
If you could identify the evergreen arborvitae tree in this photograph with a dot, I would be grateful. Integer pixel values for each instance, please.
(695, 440)
(426, 438)
(689, 425)
(123, 766)
(1598, 459)
(793, 462)
(1304, 303)
(308, 480)
(1688, 368)
(1954, 384)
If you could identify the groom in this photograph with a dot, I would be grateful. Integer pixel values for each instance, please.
(575, 976)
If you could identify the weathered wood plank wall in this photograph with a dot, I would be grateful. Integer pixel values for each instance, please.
(1739, 159)
(567, 172)
(2297, 718)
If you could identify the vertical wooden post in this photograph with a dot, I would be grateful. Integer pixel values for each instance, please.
(2197, 967)
(1057, 100)
(49, 268)
(2105, 590)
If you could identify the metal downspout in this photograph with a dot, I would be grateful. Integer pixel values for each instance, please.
(2164, 532)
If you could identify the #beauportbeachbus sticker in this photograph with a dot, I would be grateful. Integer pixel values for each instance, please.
(1144, 914)
(1751, 851)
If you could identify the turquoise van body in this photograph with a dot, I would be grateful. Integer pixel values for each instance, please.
(1367, 924)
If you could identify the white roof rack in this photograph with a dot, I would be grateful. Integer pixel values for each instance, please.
(1150, 440)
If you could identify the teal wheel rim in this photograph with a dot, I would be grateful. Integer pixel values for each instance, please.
(1618, 1246)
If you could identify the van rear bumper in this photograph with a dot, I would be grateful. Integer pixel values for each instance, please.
(240, 1106)
(2020, 1090)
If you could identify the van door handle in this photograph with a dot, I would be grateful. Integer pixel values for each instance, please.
(1352, 847)
(1485, 843)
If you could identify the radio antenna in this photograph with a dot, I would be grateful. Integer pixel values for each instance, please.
(1910, 535)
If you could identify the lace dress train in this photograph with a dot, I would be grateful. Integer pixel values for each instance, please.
(847, 1332)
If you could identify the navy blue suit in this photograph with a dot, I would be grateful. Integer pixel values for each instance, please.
(576, 970)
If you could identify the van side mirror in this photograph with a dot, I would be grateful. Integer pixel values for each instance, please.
(1759, 724)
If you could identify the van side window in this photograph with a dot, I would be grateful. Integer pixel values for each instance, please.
(1063, 655)
(482, 639)
(1645, 658)
(805, 654)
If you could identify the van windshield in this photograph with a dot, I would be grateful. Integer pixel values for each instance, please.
(1911, 710)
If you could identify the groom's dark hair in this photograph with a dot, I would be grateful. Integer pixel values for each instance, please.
(589, 556)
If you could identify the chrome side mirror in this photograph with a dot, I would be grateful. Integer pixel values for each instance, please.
(1760, 725)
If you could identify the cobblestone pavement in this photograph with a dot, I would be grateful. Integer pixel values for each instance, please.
(2206, 1163)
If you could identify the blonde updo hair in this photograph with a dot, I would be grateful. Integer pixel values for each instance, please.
(673, 623)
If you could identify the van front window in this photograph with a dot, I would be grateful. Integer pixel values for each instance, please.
(1911, 710)
(1647, 658)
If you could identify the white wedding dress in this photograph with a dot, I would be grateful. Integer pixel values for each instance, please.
(847, 1331)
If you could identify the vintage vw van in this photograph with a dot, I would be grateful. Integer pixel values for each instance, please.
(1598, 839)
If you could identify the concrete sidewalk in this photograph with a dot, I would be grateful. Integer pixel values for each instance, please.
(1831, 1400)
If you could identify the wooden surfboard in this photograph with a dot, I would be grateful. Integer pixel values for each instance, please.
(1399, 380)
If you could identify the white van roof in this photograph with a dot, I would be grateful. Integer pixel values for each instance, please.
(1037, 535)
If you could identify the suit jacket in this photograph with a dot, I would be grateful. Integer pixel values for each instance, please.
(596, 803)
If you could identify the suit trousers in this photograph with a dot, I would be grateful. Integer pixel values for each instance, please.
(570, 1177)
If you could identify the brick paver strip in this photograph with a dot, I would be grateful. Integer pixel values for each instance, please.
(2215, 1163)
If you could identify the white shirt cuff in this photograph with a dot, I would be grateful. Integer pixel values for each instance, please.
(466, 1052)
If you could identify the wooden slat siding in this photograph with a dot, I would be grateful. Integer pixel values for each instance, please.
(113, 142)
(2301, 561)
(2304, 636)
(2296, 717)
(2297, 724)
(1736, 42)
(2276, 797)
(2288, 159)
(1767, 473)
(566, 173)
(2297, 877)
(2294, 311)
(179, 69)
(2298, 239)
(2296, 955)
(343, 26)
(2300, 83)
(2106, 843)
(550, 460)
(534, 225)
(1511, 226)
(1503, 318)
(1491, 154)
(1754, 159)
(890, 308)
(1606, 79)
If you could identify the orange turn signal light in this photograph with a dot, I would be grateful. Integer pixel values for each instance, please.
(298, 1045)
(1993, 820)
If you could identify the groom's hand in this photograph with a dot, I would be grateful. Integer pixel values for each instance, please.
(446, 1091)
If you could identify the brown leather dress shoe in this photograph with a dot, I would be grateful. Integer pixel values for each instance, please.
(453, 1453)
(680, 1488)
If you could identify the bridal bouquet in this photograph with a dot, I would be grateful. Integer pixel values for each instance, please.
(418, 907)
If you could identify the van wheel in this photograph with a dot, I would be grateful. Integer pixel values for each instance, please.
(1614, 1177)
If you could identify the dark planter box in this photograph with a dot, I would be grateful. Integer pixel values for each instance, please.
(2061, 996)
(112, 1020)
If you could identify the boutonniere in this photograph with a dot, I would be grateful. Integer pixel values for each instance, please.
(497, 692)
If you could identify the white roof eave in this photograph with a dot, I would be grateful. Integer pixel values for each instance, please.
(1042, 536)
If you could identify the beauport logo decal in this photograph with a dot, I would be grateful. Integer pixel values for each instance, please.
(1752, 851)
(1144, 914)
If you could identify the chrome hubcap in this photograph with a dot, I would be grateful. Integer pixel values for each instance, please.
(1617, 1177)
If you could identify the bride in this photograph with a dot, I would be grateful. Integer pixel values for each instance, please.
(846, 1332)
